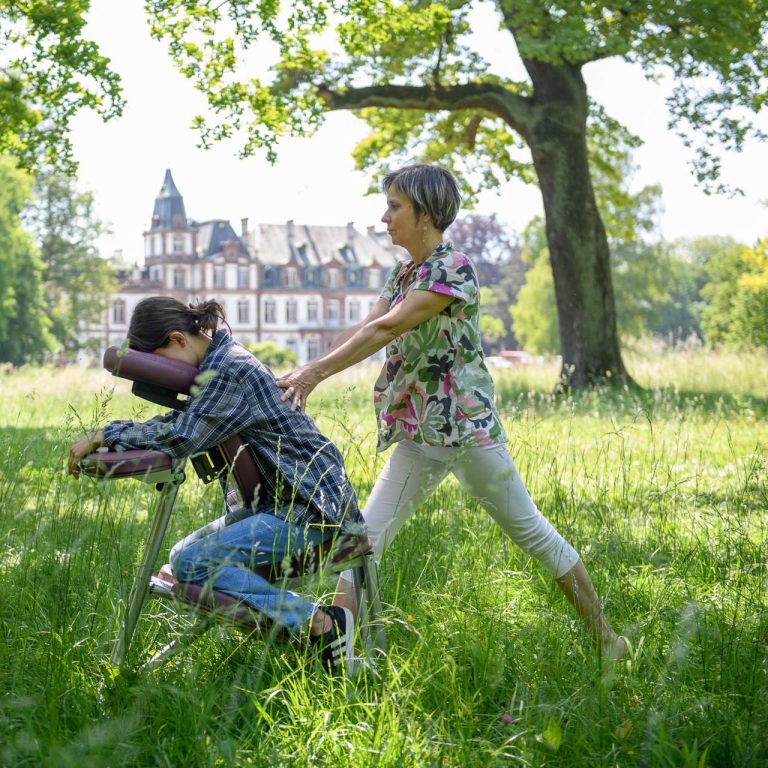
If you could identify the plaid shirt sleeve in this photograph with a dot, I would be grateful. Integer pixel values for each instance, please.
(218, 411)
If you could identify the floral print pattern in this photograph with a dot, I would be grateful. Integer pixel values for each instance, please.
(434, 387)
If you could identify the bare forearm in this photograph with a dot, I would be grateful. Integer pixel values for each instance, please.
(375, 332)
(343, 336)
(359, 345)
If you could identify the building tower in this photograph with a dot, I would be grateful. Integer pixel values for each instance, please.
(169, 243)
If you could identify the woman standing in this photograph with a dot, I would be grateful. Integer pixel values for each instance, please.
(434, 396)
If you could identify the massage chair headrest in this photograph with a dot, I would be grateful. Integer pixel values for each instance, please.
(154, 378)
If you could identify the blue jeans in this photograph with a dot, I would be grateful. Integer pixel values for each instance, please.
(223, 559)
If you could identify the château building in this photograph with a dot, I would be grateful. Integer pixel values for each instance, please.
(296, 285)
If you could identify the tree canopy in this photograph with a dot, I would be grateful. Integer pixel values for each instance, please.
(49, 71)
(77, 280)
(418, 58)
(410, 70)
(736, 296)
(24, 327)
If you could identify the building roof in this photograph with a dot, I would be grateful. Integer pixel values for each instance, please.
(211, 236)
(317, 245)
(169, 210)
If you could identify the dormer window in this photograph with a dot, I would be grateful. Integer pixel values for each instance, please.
(333, 278)
(270, 276)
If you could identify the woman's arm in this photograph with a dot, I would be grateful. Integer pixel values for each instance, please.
(380, 308)
(370, 337)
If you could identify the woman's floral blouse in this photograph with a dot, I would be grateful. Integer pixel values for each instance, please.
(434, 387)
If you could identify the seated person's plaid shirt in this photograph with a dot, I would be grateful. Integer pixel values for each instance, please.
(302, 470)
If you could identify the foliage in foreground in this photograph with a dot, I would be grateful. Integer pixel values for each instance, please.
(663, 492)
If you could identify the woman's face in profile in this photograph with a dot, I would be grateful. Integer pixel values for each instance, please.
(401, 220)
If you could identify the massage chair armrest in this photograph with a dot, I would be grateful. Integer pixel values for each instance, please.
(146, 466)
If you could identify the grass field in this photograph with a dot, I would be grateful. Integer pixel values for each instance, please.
(663, 492)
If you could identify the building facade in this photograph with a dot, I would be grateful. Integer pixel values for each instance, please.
(295, 285)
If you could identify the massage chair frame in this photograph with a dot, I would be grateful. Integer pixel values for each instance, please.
(164, 381)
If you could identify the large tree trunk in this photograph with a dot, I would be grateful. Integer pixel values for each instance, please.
(578, 247)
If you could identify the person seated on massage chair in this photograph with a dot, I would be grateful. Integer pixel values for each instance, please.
(307, 498)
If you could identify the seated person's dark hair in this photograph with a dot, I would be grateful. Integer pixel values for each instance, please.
(156, 317)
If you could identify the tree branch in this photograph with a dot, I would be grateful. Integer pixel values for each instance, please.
(515, 110)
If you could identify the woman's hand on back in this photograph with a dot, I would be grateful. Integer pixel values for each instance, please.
(298, 384)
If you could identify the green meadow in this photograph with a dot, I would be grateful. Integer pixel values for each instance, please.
(663, 490)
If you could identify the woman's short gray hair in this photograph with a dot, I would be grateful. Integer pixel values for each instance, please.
(431, 190)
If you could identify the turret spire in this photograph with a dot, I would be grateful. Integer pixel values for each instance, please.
(169, 206)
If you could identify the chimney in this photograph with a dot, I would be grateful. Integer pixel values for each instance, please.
(244, 228)
(351, 233)
(290, 231)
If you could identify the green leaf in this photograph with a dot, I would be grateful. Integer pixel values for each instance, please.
(552, 735)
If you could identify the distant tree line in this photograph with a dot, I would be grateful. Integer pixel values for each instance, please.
(712, 290)
(52, 278)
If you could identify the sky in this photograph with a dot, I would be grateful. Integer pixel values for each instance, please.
(314, 181)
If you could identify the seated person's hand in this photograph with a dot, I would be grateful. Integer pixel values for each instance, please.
(82, 448)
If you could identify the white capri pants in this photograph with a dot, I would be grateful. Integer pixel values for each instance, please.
(413, 472)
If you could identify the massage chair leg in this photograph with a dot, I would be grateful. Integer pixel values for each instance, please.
(140, 588)
(200, 627)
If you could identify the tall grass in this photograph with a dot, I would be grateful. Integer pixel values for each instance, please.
(663, 491)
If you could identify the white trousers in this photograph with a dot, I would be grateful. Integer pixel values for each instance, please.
(487, 473)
